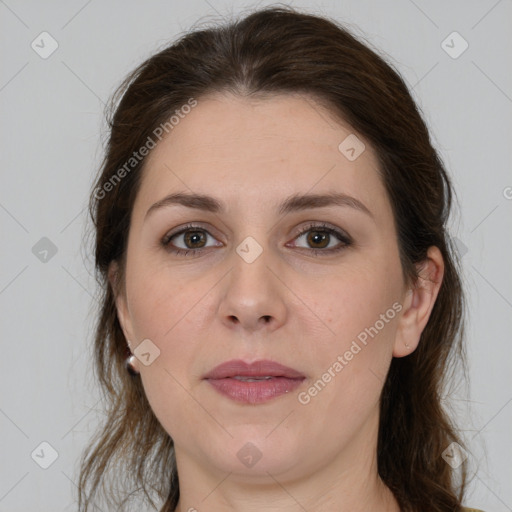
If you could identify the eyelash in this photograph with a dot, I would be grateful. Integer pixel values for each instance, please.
(321, 228)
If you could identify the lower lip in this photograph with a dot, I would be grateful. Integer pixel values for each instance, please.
(255, 392)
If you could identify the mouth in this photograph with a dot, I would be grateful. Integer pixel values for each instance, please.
(253, 383)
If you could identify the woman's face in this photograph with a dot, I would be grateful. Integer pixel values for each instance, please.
(247, 285)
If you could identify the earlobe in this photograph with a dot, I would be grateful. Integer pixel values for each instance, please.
(418, 303)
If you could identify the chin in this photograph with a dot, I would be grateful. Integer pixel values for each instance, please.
(256, 453)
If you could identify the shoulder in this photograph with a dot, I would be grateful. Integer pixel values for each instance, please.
(465, 509)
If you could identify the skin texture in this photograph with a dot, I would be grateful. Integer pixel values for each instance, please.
(201, 310)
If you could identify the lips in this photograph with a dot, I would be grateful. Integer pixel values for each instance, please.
(253, 383)
(257, 369)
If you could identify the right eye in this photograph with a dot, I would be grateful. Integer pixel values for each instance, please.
(193, 237)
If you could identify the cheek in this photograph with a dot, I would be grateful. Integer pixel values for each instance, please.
(163, 312)
(351, 364)
(156, 298)
(352, 301)
(360, 307)
(166, 313)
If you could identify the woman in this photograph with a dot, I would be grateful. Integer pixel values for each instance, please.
(271, 240)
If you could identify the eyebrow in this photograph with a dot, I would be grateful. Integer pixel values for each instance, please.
(293, 203)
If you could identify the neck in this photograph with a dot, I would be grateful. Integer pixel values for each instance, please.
(230, 496)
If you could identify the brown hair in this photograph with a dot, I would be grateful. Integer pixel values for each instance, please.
(280, 50)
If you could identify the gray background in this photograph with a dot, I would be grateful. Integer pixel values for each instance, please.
(51, 132)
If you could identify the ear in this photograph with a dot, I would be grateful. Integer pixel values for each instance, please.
(123, 313)
(418, 303)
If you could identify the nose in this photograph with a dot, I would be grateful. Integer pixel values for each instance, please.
(253, 296)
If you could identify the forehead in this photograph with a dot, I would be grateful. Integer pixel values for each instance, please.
(246, 149)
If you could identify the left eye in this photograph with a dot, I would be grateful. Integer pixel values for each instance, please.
(321, 236)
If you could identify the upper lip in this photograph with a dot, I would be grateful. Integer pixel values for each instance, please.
(261, 368)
